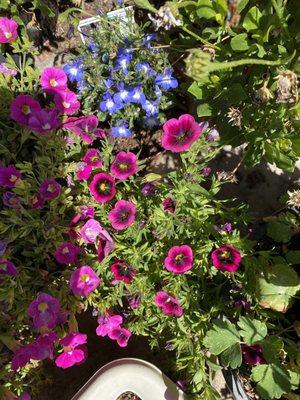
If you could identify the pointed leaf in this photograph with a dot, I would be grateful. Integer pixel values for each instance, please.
(222, 336)
(252, 330)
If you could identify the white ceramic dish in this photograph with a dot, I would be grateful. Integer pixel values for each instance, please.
(129, 375)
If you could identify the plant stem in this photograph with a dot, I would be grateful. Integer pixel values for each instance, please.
(201, 39)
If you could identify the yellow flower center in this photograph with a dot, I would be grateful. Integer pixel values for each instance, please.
(2, 266)
(95, 158)
(123, 166)
(53, 82)
(46, 127)
(84, 278)
(13, 178)
(25, 109)
(179, 257)
(226, 255)
(65, 250)
(66, 104)
(50, 188)
(103, 187)
(12, 200)
(8, 35)
(43, 306)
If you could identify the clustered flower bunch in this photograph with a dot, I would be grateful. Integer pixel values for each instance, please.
(84, 227)
(125, 78)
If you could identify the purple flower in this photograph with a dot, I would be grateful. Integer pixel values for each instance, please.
(23, 107)
(151, 122)
(108, 104)
(226, 258)
(179, 259)
(66, 102)
(144, 68)
(103, 187)
(74, 351)
(242, 304)
(85, 128)
(206, 171)
(253, 355)
(53, 79)
(124, 165)
(168, 304)
(212, 135)
(24, 396)
(10, 199)
(84, 281)
(122, 271)
(42, 347)
(107, 323)
(166, 81)
(37, 202)
(7, 268)
(83, 171)
(44, 311)
(90, 231)
(122, 215)
(121, 130)
(44, 121)
(147, 39)
(134, 300)
(105, 245)
(137, 95)
(49, 189)
(67, 253)
(92, 157)
(123, 60)
(121, 335)
(226, 228)
(3, 246)
(169, 205)
(149, 189)
(9, 176)
(7, 71)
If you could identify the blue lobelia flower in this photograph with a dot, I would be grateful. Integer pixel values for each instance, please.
(74, 70)
(123, 60)
(108, 104)
(137, 95)
(121, 130)
(144, 68)
(166, 81)
(151, 122)
(151, 108)
(149, 38)
(92, 47)
(123, 95)
(108, 83)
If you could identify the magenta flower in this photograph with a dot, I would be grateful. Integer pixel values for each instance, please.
(92, 158)
(122, 271)
(206, 171)
(24, 396)
(90, 230)
(84, 171)
(85, 212)
(121, 335)
(85, 128)
(103, 187)
(7, 71)
(124, 165)
(37, 201)
(169, 205)
(42, 347)
(107, 323)
(54, 79)
(180, 134)
(44, 121)
(122, 215)
(74, 351)
(8, 30)
(149, 189)
(105, 245)
(67, 253)
(226, 258)
(168, 304)
(21, 357)
(22, 108)
(253, 355)
(7, 268)
(134, 300)
(9, 176)
(49, 189)
(84, 281)
(179, 259)
(10, 199)
(66, 102)
(44, 311)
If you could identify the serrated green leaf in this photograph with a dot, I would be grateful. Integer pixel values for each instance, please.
(272, 380)
(252, 330)
(232, 356)
(222, 336)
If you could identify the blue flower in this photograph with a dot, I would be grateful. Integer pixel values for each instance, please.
(149, 38)
(74, 70)
(151, 122)
(123, 60)
(137, 95)
(151, 108)
(144, 68)
(108, 83)
(82, 85)
(108, 104)
(166, 81)
(123, 95)
(92, 47)
(121, 130)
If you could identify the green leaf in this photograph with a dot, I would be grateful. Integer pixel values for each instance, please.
(232, 356)
(195, 90)
(293, 257)
(145, 4)
(277, 286)
(241, 5)
(272, 380)
(272, 346)
(240, 42)
(206, 9)
(204, 110)
(252, 19)
(222, 336)
(279, 231)
(252, 330)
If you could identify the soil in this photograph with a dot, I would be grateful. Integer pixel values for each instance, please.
(128, 396)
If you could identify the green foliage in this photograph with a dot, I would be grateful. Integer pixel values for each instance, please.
(252, 330)
(272, 380)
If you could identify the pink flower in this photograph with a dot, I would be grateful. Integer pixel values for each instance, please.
(179, 259)
(206, 171)
(124, 165)
(107, 323)
(103, 187)
(253, 355)
(66, 102)
(21, 357)
(42, 347)
(7, 71)
(122, 271)
(134, 300)
(8, 30)
(44, 121)
(7, 268)
(85, 128)
(92, 157)
(24, 396)
(169, 305)
(105, 245)
(121, 335)
(37, 202)
(90, 231)
(180, 134)
(122, 215)
(74, 351)
(44, 311)
(84, 281)
(226, 258)
(85, 212)
(169, 205)
(22, 108)
(49, 189)
(9, 176)
(10, 199)
(67, 253)
(83, 171)
(53, 79)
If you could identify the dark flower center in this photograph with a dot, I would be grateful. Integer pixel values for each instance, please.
(182, 135)
(124, 214)
(125, 270)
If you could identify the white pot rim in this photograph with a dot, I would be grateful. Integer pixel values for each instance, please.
(129, 375)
